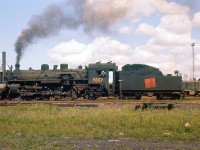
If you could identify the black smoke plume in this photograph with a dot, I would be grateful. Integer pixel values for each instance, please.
(69, 15)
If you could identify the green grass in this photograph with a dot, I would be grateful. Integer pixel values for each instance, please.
(40, 125)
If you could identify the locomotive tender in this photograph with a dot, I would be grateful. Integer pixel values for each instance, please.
(138, 80)
(95, 80)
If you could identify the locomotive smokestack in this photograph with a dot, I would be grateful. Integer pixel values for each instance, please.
(17, 67)
(3, 66)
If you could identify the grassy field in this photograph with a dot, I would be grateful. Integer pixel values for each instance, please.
(40, 125)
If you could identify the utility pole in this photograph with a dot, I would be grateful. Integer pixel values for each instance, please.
(193, 44)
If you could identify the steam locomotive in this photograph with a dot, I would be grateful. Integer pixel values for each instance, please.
(94, 81)
(91, 82)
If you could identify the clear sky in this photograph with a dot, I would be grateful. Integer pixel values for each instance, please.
(79, 32)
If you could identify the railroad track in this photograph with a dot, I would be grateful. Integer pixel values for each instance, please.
(105, 101)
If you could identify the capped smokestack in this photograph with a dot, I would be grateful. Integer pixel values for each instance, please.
(3, 66)
(17, 67)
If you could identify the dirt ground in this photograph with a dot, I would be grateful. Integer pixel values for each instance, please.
(134, 144)
(98, 144)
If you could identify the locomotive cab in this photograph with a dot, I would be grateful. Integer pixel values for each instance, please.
(103, 74)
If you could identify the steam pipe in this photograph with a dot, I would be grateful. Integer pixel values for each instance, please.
(3, 66)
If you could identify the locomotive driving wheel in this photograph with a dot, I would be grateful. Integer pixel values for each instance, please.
(138, 97)
(91, 96)
(159, 97)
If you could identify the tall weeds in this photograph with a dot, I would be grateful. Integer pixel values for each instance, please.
(43, 121)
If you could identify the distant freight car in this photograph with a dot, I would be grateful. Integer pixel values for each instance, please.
(191, 88)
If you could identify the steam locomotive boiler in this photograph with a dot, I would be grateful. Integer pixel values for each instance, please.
(91, 82)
